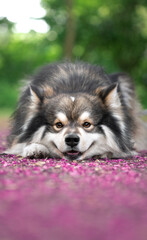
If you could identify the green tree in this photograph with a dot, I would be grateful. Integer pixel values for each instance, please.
(110, 33)
(110, 26)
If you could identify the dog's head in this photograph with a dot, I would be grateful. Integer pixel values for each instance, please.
(80, 126)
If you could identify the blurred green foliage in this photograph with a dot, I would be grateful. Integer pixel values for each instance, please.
(108, 33)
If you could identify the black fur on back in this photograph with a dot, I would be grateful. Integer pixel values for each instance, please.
(72, 78)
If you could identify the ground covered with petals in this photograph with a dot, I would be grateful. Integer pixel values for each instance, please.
(58, 200)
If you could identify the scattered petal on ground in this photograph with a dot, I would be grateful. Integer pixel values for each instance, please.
(51, 199)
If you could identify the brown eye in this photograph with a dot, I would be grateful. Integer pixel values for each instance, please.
(86, 124)
(59, 125)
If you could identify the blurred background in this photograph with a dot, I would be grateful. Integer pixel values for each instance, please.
(105, 32)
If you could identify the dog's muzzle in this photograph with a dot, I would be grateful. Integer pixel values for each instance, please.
(72, 141)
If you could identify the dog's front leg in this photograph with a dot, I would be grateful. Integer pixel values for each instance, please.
(35, 150)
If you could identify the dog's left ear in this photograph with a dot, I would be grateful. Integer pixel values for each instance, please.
(109, 95)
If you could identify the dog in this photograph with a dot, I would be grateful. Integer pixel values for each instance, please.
(76, 111)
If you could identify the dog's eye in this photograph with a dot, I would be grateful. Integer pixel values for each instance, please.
(59, 125)
(86, 125)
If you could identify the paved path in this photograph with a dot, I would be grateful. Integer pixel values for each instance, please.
(57, 200)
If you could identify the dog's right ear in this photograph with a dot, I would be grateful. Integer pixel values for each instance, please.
(36, 94)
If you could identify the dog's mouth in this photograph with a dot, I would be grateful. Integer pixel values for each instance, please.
(72, 154)
(69, 155)
(76, 155)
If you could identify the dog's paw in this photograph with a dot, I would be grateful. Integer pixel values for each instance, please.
(35, 150)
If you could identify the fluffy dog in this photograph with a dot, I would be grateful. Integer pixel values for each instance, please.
(76, 111)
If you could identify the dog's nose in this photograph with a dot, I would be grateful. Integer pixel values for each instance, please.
(72, 140)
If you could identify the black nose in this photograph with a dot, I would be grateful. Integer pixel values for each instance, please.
(72, 140)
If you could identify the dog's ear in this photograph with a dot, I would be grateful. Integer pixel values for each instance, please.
(109, 95)
(39, 93)
(36, 94)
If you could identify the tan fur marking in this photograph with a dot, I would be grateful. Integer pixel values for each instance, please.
(85, 118)
(48, 91)
(81, 121)
(99, 89)
(61, 117)
(59, 120)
